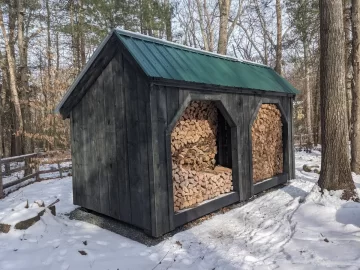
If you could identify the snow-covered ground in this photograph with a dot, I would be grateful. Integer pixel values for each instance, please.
(290, 228)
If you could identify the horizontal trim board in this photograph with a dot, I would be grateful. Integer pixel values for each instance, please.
(271, 182)
(216, 88)
(204, 209)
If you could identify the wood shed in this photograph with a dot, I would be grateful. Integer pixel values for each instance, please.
(163, 134)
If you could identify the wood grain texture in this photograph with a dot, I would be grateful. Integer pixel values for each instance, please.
(134, 159)
(122, 169)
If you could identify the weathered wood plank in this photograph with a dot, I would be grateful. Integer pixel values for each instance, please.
(143, 98)
(183, 94)
(159, 181)
(162, 191)
(172, 106)
(122, 169)
(100, 144)
(74, 157)
(80, 172)
(204, 209)
(271, 182)
(153, 155)
(243, 148)
(92, 154)
(110, 140)
(133, 148)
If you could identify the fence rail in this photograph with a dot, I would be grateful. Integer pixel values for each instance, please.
(32, 166)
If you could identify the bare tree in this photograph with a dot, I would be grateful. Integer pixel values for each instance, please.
(278, 65)
(335, 166)
(168, 23)
(19, 126)
(355, 135)
(224, 6)
(206, 24)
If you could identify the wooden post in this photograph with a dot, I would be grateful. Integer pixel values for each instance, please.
(7, 169)
(37, 166)
(60, 171)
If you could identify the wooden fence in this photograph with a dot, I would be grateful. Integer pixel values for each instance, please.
(31, 165)
(302, 140)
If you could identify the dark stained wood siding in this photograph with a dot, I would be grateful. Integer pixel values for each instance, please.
(110, 145)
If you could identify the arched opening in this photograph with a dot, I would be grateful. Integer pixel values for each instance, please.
(201, 155)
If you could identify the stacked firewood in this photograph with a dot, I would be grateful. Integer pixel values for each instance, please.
(267, 144)
(193, 187)
(193, 140)
(193, 148)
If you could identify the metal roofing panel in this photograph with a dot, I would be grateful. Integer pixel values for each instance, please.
(163, 59)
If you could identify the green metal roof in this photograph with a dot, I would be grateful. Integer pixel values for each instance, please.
(162, 59)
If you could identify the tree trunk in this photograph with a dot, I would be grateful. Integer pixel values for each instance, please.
(19, 126)
(355, 135)
(82, 34)
(335, 166)
(348, 59)
(23, 83)
(316, 109)
(224, 6)
(309, 128)
(1, 143)
(202, 27)
(278, 67)
(48, 47)
(168, 24)
(74, 43)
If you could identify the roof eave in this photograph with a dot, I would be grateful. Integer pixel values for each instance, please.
(217, 88)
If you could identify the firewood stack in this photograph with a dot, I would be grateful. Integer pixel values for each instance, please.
(267, 145)
(193, 187)
(193, 140)
(193, 148)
